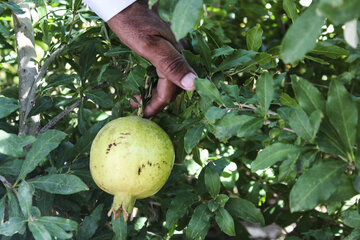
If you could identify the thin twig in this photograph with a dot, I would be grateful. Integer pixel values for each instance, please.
(253, 108)
(47, 63)
(5, 182)
(108, 39)
(71, 27)
(60, 116)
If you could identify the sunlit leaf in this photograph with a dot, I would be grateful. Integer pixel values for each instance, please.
(316, 185)
(185, 16)
(43, 145)
(301, 36)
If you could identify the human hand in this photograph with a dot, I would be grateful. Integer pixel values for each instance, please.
(147, 34)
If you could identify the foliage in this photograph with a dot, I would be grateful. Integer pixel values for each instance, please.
(270, 135)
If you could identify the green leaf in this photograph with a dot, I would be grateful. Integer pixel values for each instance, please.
(354, 235)
(207, 90)
(223, 51)
(340, 12)
(265, 91)
(225, 221)
(287, 169)
(11, 167)
(43, 145)
(329, 140)
(244, 209)
(4, 31)
(178, 208)
(238, 58)
(39, 231)
(44, 104)
(185, 16)
(329, 50)
(214, 113)
(212, 180)
(316, 185)
(199, 223)
(351, 218)
(286, 100)
(13, 205)
(90, 223)
(301, 36)
(346, 190)
(200, 46)
(343, 115)
(119, 227)
(274, 153)
(55, 230)
(2, 208)
(254, 38)
(14, 7)
(192, 137)
(300, 123)
(250, 127)
(308, 96)
(62, 80)
(8, 106)
(83, 144)
(222, 199)
(290, 9)
(12, 144)
(87, 59)
(66, 224)
(101, 98)
(59, 184)
(315, 121)
(14, 225)
(213, 205)
(318, 60)
(25, 194)
(237, 125)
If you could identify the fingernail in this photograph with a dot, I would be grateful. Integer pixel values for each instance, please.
(188, 81)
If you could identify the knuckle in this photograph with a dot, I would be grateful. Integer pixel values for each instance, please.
(173, 64)
(148, 42)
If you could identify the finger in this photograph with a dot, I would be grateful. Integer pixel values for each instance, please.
(135, 104)
(164, 93)
(163, 55)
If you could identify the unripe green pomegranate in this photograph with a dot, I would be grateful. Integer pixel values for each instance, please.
(130, 158)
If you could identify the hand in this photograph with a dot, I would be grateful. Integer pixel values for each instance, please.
(147, 34)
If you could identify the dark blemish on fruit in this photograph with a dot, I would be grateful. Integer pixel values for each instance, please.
(149, 163)
(143, 165)
(114, 144)
(139, 171)
(164, 162)
(109, 148)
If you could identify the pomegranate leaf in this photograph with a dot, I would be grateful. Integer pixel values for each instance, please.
(59, 184)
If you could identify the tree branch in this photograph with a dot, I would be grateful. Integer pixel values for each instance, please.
(27, 68)
(59, 116)
(46, 65)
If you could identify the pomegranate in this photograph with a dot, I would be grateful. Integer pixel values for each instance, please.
(130, 158)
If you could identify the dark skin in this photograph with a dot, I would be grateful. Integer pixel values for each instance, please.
(147, 34)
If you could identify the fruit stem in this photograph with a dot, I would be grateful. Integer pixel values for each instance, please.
(123, 203)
